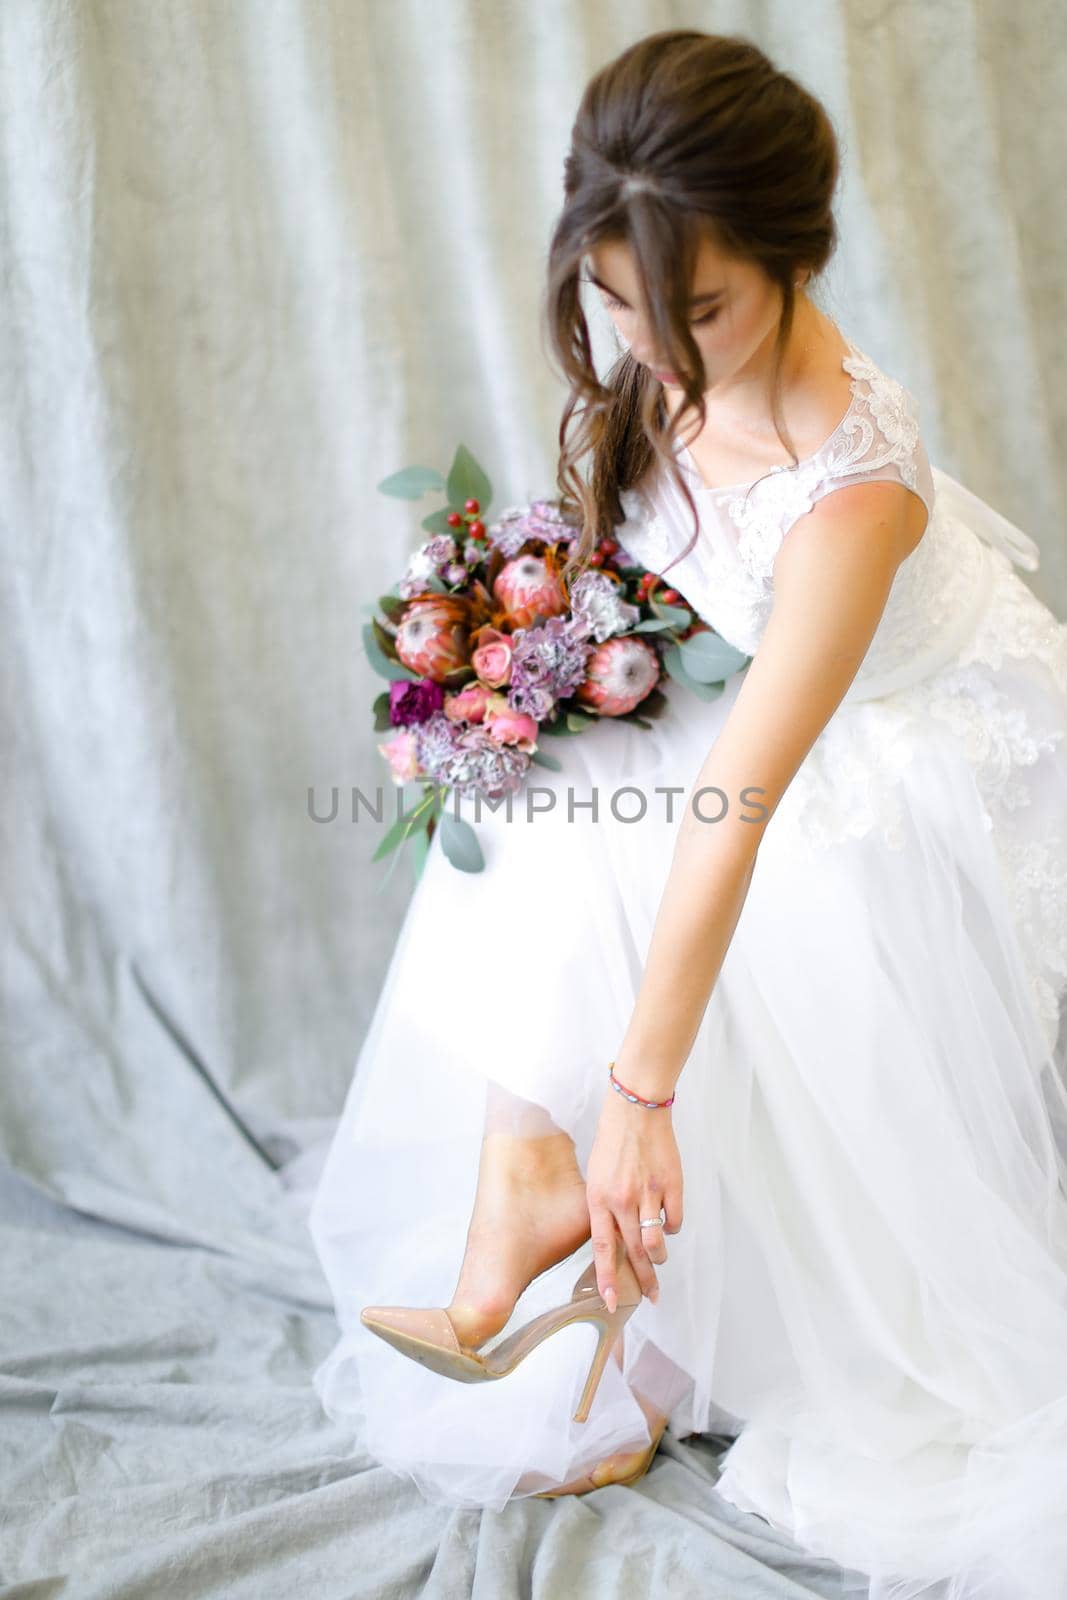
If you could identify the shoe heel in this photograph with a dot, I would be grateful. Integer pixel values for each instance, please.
(608, 1329)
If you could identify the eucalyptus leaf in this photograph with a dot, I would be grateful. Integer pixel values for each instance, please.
(672, 660)
(576, 721)
(677, 616)
(386, 642)
(437, 522)
(380, 662)
(382, 723)
(654, 704)
(411, 483)
(416, 817)
(414, 822)
(391, 606)
(458, 676)
(467, 481)
(652, 625)
(420, 849)
(710, 659)
(544, 760)
(460, 843)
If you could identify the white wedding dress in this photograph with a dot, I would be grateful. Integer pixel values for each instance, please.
(869, 1290)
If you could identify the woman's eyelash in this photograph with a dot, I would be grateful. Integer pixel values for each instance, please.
(617, 305)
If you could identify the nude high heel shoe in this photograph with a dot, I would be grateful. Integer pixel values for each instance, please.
(625, 1469)
(428, 1336)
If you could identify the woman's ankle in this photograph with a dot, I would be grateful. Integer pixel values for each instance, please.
(547, 1158)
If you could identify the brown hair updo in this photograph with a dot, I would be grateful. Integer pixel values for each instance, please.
(685, 133)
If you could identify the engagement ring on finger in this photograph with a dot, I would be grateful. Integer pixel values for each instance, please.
(652, 1222)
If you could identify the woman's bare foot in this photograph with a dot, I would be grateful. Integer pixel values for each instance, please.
(530, 1211)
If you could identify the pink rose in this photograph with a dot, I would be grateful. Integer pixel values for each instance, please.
(492, 659)
(468, 704)
(400, 753)
(512, 727)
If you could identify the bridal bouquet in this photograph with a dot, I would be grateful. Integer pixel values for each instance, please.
(486, 655)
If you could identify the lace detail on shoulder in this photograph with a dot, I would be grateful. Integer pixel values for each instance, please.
(877, 437)
(894, 437)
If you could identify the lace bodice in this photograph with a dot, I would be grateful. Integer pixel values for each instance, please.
(728, 577)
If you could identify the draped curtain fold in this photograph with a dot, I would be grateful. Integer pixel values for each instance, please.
(257, 257)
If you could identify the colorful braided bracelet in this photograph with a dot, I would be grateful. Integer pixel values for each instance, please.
(628, 1094)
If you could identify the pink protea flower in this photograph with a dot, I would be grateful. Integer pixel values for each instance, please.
(432, 637)
(492, 659)
(527, 587)
(400, 753)
(619, 674)
(469, 704)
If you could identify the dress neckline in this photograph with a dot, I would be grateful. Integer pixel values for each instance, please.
(701, 487)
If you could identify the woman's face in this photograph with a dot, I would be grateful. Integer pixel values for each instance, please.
(734, 310)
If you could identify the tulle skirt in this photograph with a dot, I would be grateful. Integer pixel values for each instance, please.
(869, 1290)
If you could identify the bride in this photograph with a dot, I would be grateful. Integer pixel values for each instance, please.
(765, 1091)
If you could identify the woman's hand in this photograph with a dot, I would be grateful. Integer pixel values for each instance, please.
(634, 1170)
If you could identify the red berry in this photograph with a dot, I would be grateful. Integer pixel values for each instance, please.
(454, 519)
(670, 596)
(471, 506)
(477, 529)
(596, 559)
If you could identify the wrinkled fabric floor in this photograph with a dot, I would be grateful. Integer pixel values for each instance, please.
(162, 1314)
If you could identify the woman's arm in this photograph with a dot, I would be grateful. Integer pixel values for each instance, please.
(832, 578)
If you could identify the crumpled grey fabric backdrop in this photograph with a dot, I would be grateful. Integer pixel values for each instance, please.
(255, 257)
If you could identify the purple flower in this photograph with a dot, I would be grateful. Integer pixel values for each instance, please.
(410, 703)
(548, 662)
(469, 761)
(424, 562)
(541, 519)
(598, 605)
(436, 742)
(440, 549)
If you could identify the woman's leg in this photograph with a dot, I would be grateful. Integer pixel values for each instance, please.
(530, 1211)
